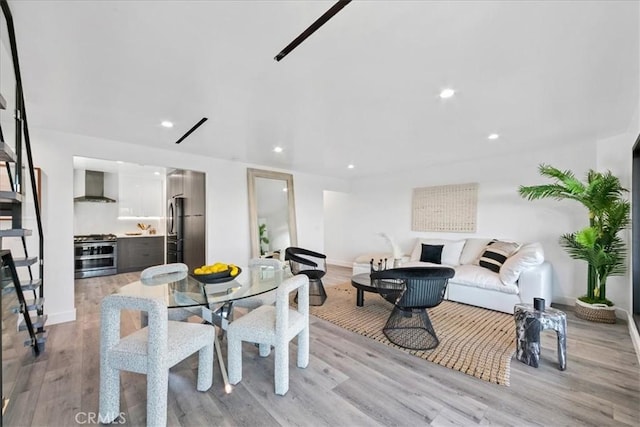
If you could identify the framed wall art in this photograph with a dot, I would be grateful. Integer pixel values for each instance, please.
(446, 208)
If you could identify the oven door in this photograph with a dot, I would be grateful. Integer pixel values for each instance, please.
(95, 259)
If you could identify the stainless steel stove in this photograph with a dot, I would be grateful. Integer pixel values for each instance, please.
(94, 238)
(95, 255)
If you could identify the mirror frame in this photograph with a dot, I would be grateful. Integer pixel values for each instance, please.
(252, 174)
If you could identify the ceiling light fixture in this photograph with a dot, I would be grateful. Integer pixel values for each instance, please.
(312, 28)
(447, 93)
(166, 124)
(493, 136)
(196, 126)
(277, 150)
(350, 166)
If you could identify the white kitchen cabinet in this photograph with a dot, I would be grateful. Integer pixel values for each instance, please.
(140, 195)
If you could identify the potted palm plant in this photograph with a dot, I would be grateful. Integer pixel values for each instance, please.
(599, 244)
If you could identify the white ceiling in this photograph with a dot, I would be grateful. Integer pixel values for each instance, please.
(363, 89)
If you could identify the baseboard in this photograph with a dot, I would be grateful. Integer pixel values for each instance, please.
(340, 263)
(62, 317)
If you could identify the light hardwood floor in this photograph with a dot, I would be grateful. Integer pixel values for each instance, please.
(351, 380)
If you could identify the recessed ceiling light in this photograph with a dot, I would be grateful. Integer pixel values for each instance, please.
(284, 189)
(156, 173)
(350, 166)
(493, 136)
(119, 162)
(447, 93)
(166, 124)
(277, 150)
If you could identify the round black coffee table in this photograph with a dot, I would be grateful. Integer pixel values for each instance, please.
(362, 283)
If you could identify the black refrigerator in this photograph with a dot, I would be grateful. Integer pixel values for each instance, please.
(186, 227)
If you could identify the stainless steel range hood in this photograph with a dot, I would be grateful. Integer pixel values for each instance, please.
(94, 188)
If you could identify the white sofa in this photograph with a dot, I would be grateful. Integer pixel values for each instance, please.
(523, 276)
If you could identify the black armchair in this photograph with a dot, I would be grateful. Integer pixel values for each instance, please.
(314, 266)
(412, 290)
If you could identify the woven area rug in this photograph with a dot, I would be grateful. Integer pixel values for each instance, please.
(473, 340)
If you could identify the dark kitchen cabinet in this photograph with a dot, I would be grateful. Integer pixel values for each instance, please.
(138, 253)
(194, 193)
(193, 242)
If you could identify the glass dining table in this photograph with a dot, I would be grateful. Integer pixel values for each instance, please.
(211, 301)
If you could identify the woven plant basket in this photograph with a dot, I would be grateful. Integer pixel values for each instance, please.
(595, 312)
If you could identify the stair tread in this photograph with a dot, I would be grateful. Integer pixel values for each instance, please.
(10, 197)
(15, 232)
(26, 285)
(41, 337)
(30, 304)
(25, 261)
(37, 322)
(6, 153)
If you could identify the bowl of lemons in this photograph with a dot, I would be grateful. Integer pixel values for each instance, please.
(216, 273)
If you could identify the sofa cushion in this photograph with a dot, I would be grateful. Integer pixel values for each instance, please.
(431, 253)
(480, 277)
(496, 253)
(528, 256)
(450, 252)
(473, 248)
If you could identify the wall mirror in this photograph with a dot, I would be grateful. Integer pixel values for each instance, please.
(272, 214)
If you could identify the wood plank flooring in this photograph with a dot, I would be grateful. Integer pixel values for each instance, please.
(351, 380)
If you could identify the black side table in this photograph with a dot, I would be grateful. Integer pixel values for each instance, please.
(529, 323)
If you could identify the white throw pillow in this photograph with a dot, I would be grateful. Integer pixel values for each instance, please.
(473, 248)
(450, 251)
(528, 256)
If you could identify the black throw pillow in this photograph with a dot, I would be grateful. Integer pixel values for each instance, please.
(431, 253)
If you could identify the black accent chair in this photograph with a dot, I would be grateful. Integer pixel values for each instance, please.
(412, 290)
(314, 266)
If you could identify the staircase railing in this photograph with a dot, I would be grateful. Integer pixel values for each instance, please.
(21, 115)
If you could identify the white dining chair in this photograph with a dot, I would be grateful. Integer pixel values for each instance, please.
(275, 326)
(268, 298)
(151, 350)
(177, 271)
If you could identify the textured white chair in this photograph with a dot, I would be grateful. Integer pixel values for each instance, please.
(177, 271)
(152, 351)
(268, 298)
(273, 326)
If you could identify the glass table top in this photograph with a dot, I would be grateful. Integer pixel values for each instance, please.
(184, 290)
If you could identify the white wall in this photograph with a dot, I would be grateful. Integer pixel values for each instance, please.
(384, 204)
(227, 206)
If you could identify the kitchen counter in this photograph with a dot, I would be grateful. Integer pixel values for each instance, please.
(124, 236)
